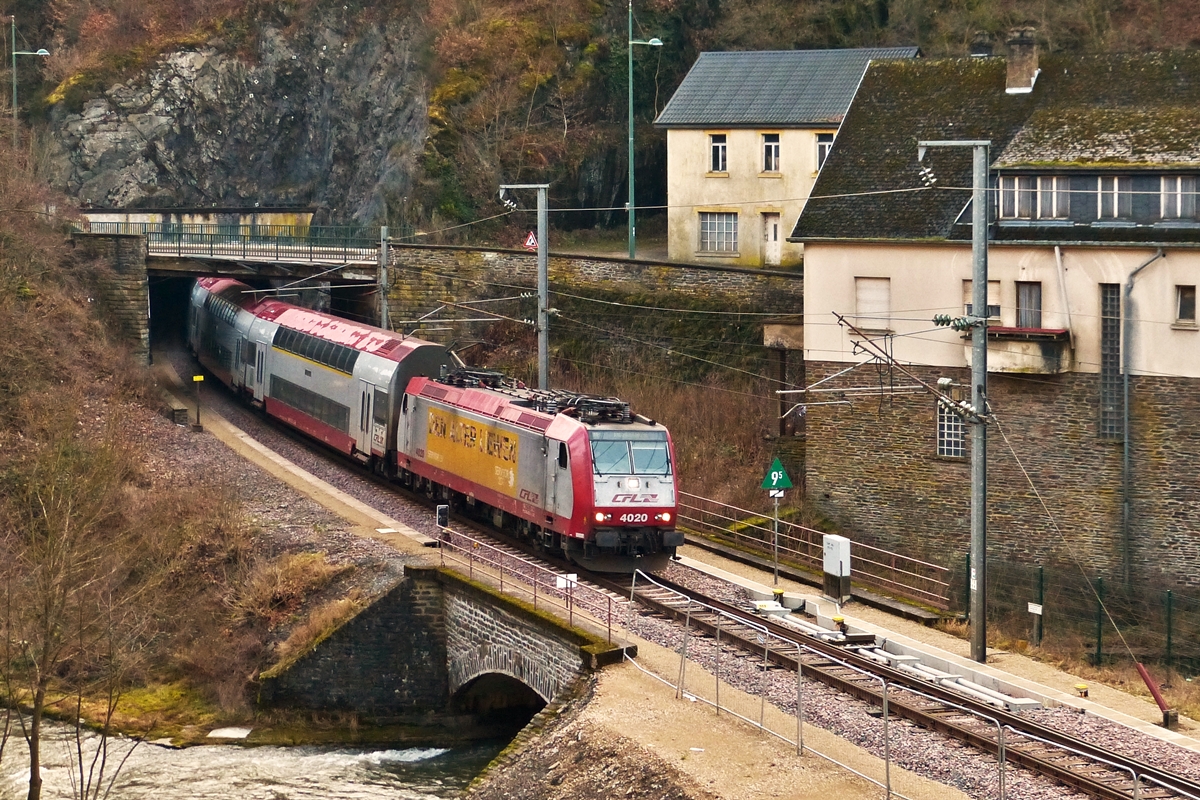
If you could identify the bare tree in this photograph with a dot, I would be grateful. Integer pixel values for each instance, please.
(68, 577)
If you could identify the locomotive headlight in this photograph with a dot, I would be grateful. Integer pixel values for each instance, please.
(632, 483)
(665, 516)
(601, 516)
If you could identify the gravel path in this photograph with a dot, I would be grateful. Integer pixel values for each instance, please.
(296, 522)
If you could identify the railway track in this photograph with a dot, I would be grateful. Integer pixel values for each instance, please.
(1071, 761)
(1016, 740)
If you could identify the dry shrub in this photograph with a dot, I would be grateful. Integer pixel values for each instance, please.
(275, 590)
(319, 623)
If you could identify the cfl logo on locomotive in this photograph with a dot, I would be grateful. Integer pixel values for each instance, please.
(635, 498)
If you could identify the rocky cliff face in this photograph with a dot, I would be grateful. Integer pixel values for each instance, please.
(332, 114)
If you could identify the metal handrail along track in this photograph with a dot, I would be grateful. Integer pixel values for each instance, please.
(1047, 751)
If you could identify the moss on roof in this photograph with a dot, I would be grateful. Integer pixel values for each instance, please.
(898, 104)
(1105, 111)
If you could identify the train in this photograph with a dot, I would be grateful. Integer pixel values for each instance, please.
(577, 475)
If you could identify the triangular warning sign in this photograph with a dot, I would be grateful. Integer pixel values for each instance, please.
(777, 477)
(531, 241)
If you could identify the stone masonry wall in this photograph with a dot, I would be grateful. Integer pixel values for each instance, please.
(482, 637)
(872, 466)
(124, 287)
(388, 660)
(422, 276)
(411, 649)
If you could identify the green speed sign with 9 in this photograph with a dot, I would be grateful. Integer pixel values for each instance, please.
(777, 477)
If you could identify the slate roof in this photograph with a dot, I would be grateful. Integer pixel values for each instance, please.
(1125, 112)
(771, 87)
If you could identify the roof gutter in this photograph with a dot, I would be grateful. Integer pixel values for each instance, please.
(1126, 465)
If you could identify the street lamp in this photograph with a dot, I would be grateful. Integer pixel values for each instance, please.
(656, 42)
(15, 52)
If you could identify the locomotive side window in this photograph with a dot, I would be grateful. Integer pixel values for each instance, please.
(562, 455)
(626, 452)
(404, 405)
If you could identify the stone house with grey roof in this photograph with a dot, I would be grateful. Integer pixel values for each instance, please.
(1093, 344)
(746, 135)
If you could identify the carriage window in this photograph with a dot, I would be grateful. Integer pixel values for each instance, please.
(249, 353)
(381, 407)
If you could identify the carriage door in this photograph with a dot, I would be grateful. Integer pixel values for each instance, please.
(558, 479)
(366, 394)
(249, 364)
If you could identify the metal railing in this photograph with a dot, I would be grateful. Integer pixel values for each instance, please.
(530, 581)
(870, 566)
(313, 243)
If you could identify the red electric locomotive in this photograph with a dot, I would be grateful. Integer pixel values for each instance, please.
(577, 474)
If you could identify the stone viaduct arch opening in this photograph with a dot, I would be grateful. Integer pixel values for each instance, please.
(495, 698)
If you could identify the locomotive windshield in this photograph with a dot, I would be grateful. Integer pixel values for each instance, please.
(630, 452)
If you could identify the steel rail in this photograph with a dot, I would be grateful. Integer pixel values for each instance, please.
(1057, 759)
(1061, 750)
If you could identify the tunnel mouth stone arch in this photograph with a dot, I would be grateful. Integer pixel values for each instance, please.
(498, 698)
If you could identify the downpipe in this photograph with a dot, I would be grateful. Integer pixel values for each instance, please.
(1126, 465)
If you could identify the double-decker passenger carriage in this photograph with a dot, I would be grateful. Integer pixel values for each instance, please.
(575, 474)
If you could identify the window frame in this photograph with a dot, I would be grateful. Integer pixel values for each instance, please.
(951, 429)
(1025, 313)
(993, 293)
(724, 236)
(718, 153)
(1117, 191)
(770, 152)
(824, 145)
(1185, 293)
(1177, 197)
(1018, 196)
(876, 320)
(1053, 197)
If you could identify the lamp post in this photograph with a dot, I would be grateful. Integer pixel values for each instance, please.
(15, 52)
(652, 43)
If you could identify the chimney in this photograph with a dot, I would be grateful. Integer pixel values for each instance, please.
(982, 45)
(1022, 60)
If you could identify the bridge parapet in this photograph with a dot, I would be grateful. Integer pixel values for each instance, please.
(309, 244)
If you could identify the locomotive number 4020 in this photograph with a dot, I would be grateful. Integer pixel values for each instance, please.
(635, 517)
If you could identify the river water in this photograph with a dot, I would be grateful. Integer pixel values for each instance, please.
(254, 773)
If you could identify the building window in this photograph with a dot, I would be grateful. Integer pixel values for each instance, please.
(951, 431)
(1116, 197)
(1185, 305)
(824, 145)
(1178, 197)
(1017, 194)
(993, 299)
(770, 152)
(1110, 361)
(1054, 197)
(717, 152)
(1029, 304)
(718, 232)
(873, 303)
